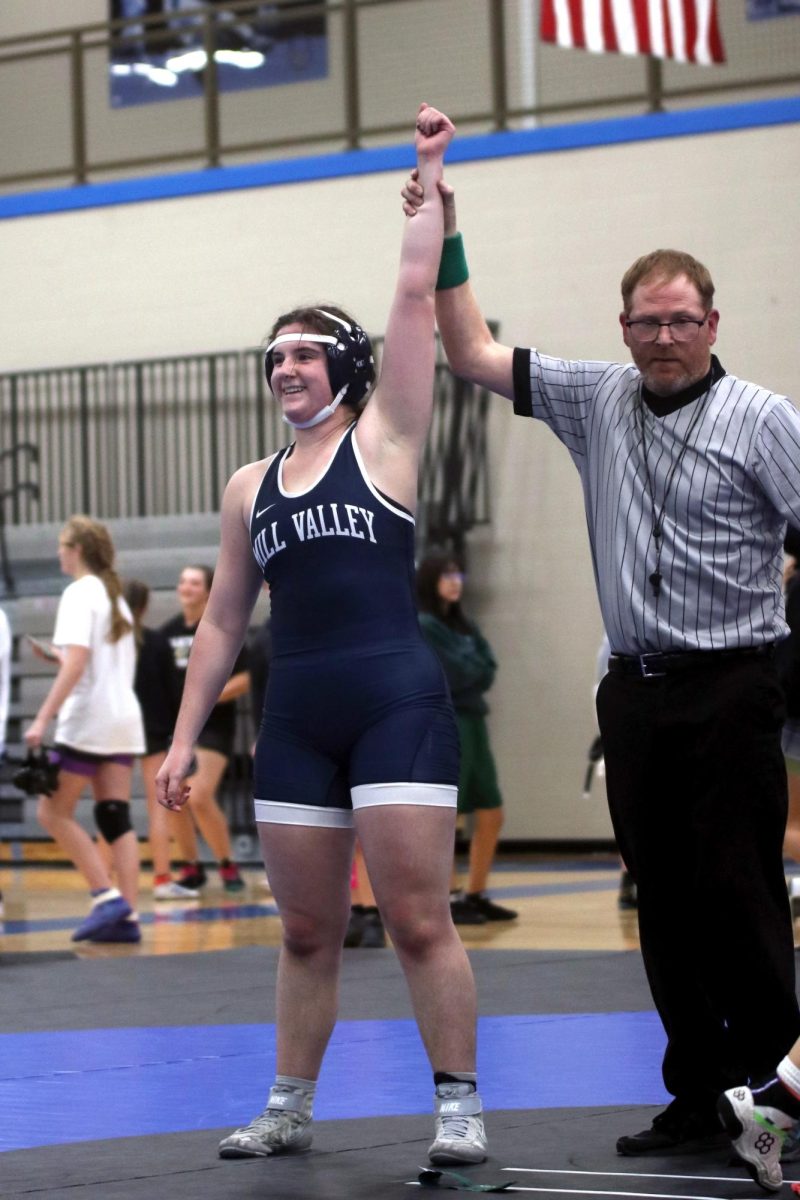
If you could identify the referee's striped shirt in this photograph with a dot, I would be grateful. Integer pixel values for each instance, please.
(727, 504)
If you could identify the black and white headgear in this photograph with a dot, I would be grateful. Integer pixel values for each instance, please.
(349, 358)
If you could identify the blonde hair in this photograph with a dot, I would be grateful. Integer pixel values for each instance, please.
(97, 551)
(668, 264)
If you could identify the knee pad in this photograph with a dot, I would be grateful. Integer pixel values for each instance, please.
(112, 818)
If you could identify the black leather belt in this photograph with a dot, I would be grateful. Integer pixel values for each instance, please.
(653, 666)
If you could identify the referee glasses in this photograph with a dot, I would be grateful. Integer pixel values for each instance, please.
(682, 329)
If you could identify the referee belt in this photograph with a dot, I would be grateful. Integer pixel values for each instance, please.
(656, 665)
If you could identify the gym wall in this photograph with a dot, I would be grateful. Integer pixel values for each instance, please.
(548, 236)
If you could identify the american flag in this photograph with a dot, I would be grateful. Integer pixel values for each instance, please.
(683, 30)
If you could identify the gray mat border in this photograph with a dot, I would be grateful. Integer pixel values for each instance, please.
(237, 987)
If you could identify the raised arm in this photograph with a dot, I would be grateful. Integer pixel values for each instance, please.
(219, 636)
(472, 352)
(399, 412)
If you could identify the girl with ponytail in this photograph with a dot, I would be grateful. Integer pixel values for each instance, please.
(98, 728)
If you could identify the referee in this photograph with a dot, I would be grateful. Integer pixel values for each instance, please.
(689, 476)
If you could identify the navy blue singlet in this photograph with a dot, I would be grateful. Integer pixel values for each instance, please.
(355, 695)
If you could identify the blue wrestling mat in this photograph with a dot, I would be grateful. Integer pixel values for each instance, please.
(89, 1084)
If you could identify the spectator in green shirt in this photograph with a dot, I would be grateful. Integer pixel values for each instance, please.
(470, 668)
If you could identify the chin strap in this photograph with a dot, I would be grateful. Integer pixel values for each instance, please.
(327, 411)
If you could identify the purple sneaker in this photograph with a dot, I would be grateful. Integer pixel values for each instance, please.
(122, 931)
(107, 912)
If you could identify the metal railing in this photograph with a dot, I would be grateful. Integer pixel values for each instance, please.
(161, 437)
(12, 487)
(341, 123)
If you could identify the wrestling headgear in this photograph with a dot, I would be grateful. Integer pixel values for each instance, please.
(351, 367)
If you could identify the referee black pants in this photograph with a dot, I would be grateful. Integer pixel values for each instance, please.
(697, 790)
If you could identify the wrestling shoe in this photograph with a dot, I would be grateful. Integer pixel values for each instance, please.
(284, 1126)
(459, 1133)
(757, 1134)
(102, 915)
(172, 890)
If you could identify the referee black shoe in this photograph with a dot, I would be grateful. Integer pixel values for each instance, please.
(679, 1128)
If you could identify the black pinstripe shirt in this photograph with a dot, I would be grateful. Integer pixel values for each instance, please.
(736, 484)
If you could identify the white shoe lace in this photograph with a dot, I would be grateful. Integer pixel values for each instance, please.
(455, 1127)
(266, 1122)
(272, 1123)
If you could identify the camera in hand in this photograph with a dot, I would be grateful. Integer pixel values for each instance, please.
(38, 776)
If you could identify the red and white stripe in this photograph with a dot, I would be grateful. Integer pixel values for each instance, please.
(683, 30)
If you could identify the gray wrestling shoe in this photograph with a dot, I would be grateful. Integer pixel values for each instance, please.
(757, 1134)
(460, 1136)
(283, 1127)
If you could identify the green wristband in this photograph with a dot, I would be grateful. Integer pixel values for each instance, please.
(453, 270)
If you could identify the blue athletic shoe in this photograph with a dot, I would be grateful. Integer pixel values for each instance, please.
(108, 912)
(122, 931)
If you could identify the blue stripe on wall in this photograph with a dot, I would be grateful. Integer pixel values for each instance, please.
(70, 1086)
(401, 158)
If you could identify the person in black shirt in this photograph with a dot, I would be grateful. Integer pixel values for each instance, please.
(158, 691)
(215, 742)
